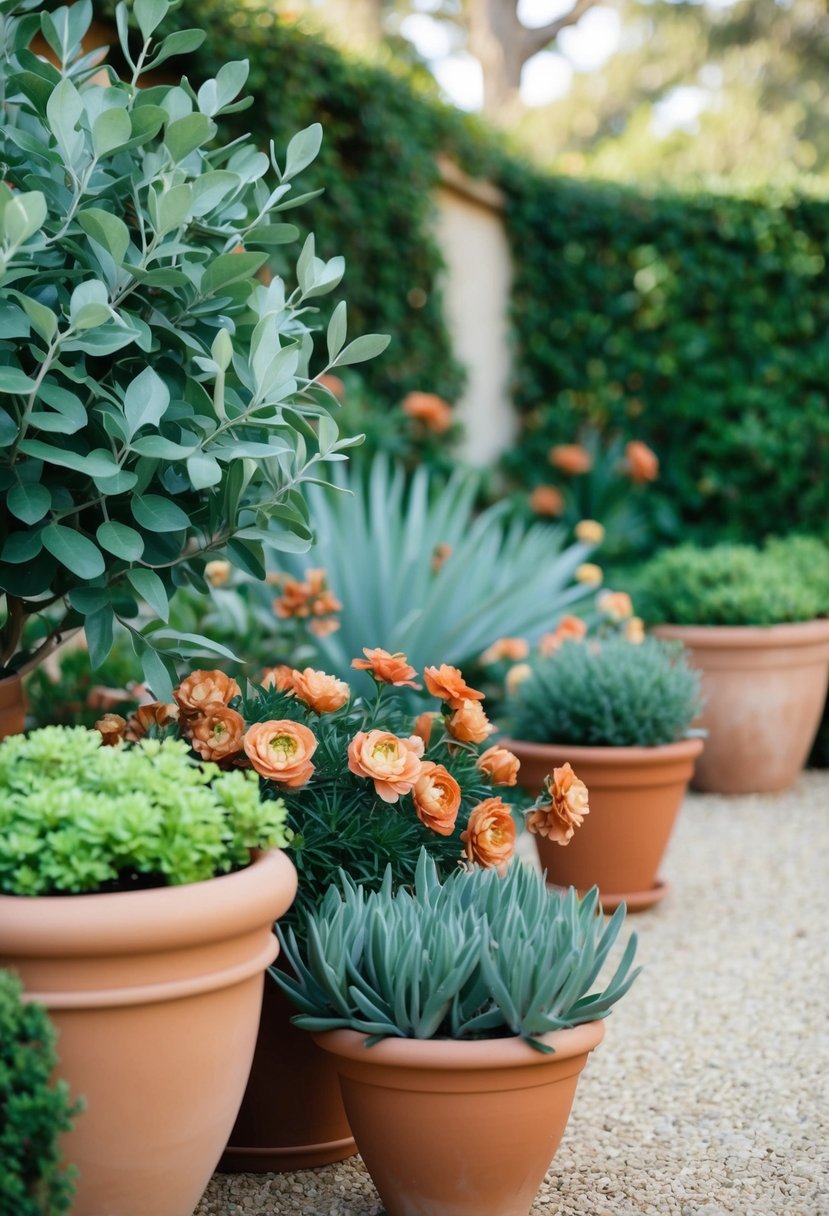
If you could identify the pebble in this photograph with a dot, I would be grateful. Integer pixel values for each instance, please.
(708, 1095)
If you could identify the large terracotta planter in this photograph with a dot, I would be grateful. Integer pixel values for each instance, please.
(635, 795)
(12, 706)
(156, 997)
(764, 691)
(274, 1136)
(451, 1128)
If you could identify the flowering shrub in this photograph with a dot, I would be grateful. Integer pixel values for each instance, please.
(366, 782)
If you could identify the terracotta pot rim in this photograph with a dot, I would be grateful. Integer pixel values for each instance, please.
(161, 918)
(744, 637)
(453, 1054)
(615, 757)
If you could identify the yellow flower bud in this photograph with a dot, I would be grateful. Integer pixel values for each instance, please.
(589, 572)
(589, 532)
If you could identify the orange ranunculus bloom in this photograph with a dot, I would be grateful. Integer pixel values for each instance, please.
(489, 838)
(642, 463)
(393, 764)
(423, 726)
(569, 629)
(635, 630)
(589, 531)
(511, 649)
(558, 818)
(321, 627)
(280, 677)
(217, 573)
(448, 684)
(217, 732)
(333, 383)
(387, 668)
(547, 500)
(469, 723)
(617, 605)
(430, 409)
(500, 765)
(202, 687)
(112, 728)
(437, 798)
(516, 676)
(281, 751)
(303, 598)
(154, 715)
(323, 693)
(571, 458)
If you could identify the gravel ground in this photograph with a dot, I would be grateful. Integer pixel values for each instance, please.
(710, 1093)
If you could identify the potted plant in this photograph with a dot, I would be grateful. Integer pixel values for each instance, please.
(133, 910)
(621, 712)
(157, 408)
(34, 1110)
(754, 622)
(367, 783)
(459, 1015)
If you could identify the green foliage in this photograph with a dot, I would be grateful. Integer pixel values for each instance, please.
(76, 816)
(33, 1111)
(786, 580)
(608, 693)
(157, 400)
(65, 695)
(477, 956)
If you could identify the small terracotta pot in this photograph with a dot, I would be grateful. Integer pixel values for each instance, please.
(635, 794)
(460, 1128)
(12, 706)
(764, 690)
(273, 1136)
(156, 997)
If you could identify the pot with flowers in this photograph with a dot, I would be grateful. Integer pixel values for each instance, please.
(459, 1015)
(621, 711)
(367, 783)
(138, 891)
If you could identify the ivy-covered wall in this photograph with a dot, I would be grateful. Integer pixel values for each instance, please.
(698, 324)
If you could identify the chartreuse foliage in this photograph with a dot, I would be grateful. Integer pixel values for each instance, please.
(477, 956)
(154, 396)
(786, 580)
(33, 1111)
(76, 816)
(608, 693)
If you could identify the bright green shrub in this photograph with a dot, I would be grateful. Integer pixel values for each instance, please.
(608, 693)
(33, 1112)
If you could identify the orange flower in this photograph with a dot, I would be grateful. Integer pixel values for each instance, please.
(489, 838)
(447, 683)
(217, 733)
(617, 605)
(512, 649)
(323, 693)
(387, 668)
(393, 764)
(469, 723)
(635, 630)
(423, 726)
(152, 716)
(642, 463)
(437, 798)
(589, 572)
(589, 532)
(569, 628)
(112, 728)
(202, 687)
(217, 573)
(516, 676)
(302, 598)
(281, 751)
(431, 410)
(280, 677)
(440, 556)
(321, 627)
(571, 458)
(547, 500)
(333, 383)
(500, 765)
(558, 818)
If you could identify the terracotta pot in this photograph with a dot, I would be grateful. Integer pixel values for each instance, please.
(450, 1128)
(274, 1136)
(156, 997)
(635, 796)
(12, 706)
(764, 691)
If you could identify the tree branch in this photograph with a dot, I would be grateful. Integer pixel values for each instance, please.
(535, 40)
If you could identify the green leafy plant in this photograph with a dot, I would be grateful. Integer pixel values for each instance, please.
(475, 956)
(607, 693)
(33, 1110)
(157, 402)
(786, 580)
(76, 816)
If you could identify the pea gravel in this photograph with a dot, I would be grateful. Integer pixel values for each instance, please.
(710, 1093)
